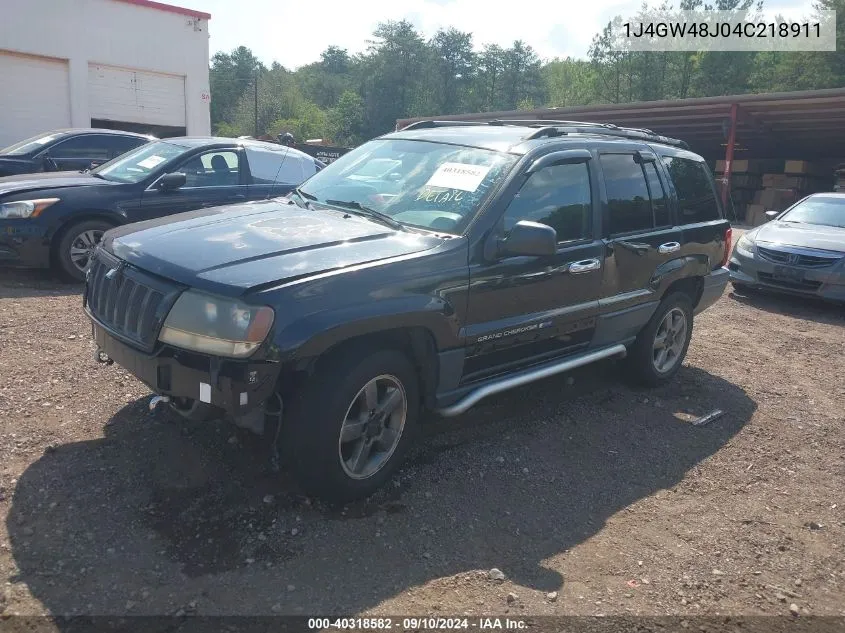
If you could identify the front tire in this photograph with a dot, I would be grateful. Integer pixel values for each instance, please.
(351, 425)
(659, 351)
(76, 246)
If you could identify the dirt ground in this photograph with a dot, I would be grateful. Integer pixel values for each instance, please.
(589, 496)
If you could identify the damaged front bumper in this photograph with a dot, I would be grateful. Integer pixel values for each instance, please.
(237, 387)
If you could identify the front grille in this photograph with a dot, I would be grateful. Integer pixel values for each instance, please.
(131, 304)
(806, 285)
(799, 259)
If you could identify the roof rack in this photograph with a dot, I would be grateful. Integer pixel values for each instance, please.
(552, 128)
(419, 125)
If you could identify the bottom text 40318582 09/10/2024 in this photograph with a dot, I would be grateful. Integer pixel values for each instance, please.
(417, 623)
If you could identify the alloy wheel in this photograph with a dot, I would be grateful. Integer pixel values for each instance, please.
(669, 340)
(372, 427)
(82, 248)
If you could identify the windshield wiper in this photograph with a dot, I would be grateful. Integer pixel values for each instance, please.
(305, 197)
(378, 215)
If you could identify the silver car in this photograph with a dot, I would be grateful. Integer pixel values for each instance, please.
(801, 251)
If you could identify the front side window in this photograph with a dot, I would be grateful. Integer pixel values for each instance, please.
(419, 183)
(627, 194)
(558, 196)
(696, 196)
(218, 168)
(138, 164)
(31, 145)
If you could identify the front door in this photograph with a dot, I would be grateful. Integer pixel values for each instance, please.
(640, 232)
(522, 309)
(213, 178)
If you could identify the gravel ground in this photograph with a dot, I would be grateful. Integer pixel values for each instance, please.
(587, 496)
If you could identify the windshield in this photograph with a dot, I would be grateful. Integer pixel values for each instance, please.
(418, 183)
(825, 211)
(136, 165)
(30, 145)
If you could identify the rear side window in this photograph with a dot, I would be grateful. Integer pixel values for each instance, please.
(628, 199)
(696, 196)
(558, 196)
(87, 146)
(659, 201)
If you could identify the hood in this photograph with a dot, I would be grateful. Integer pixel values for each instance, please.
(48, 180)
(231, 249)
(827, 238)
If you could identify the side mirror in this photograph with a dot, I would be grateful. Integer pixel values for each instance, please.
(172, 181)
(771, 215)
(529, 238)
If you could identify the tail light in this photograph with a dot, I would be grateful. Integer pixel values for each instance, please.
(728, 246)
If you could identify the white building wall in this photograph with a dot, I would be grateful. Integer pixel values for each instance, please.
(114, 33)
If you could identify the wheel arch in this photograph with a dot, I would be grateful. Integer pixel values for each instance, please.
(416, 341)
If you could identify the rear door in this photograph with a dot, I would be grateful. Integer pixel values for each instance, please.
(699, 213)
(640, 234)
(214, 178)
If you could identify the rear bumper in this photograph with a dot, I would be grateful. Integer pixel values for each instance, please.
(825, 283)
(23, 243)
(234, 386)
(714, 287)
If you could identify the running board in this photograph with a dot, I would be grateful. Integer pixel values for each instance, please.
(509, 382)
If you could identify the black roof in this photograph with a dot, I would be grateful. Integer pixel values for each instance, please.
(98, 130)
(214, 141)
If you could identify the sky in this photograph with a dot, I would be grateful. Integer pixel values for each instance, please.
(295, 32)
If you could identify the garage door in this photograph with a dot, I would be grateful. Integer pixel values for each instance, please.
(135, 96)
(34, 96)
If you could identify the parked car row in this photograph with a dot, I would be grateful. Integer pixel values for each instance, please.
(55, 218)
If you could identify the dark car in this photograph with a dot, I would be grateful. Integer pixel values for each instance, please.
(63, 150)
(801, 251)
(484, 258)
(56, 219)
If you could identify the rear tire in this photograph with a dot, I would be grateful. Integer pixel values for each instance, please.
(75, 246)
(659, 351)
(350, 425)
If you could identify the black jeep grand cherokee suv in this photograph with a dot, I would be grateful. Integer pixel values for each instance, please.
(426, 269)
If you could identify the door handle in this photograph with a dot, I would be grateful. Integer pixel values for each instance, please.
(584, 266)
(669, 247)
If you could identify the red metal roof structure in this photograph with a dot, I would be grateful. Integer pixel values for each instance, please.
(805, 125)
(161, 6)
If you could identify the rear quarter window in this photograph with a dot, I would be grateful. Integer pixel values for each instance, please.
(696, 194)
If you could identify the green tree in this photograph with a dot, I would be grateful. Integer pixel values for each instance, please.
(346, 119)
(230, 75)
(454, 62)
(569, 82)
(487, 87)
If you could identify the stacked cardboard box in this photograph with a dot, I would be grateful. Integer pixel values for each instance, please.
(781, 190)
(746, 180)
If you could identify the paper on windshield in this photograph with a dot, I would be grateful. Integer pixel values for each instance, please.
(151, 161)
(458, 176)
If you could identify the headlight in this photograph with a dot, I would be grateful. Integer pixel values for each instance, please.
(214, 325)
(745, 246)
(25, 208)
